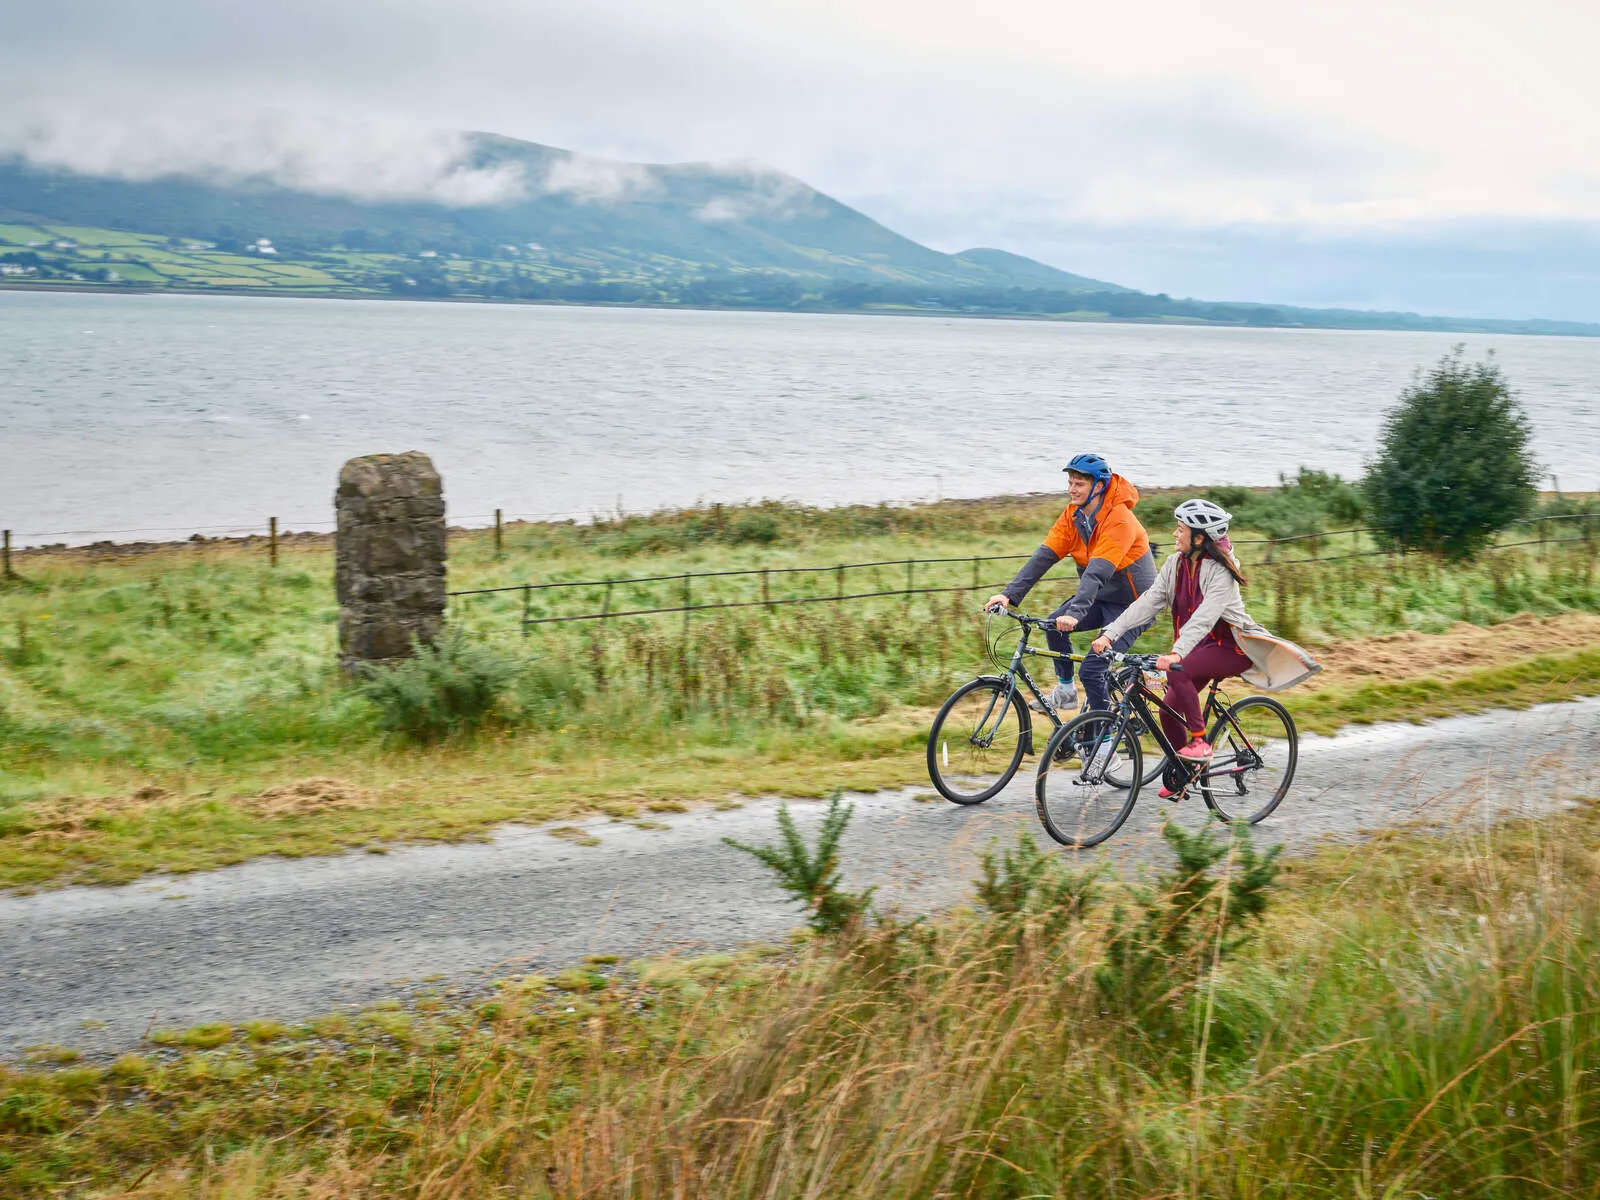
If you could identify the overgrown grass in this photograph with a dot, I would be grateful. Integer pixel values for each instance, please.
(1415, 1016)
(203, 672)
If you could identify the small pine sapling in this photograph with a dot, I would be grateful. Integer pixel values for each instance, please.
(813, 877)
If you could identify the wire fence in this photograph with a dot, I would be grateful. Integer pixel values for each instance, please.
(690, 592)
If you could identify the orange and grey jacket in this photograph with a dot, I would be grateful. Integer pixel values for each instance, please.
(1109, 545)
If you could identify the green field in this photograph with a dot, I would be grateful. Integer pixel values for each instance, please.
(146, 260)
(147, 702)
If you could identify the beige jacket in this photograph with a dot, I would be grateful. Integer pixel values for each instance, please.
(1277, 664)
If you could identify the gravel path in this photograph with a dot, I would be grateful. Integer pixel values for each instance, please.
(96, 967)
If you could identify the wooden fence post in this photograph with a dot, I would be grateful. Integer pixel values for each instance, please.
(527, 607)
(838, 577)
(7, 573)
(766, 588)
(499, 536)
(272, 540)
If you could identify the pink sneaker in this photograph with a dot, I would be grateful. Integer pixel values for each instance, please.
(1168, 794)
(1198, 750)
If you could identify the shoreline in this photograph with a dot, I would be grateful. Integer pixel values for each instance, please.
(111, 549)
(1507, 326)
(106, 549)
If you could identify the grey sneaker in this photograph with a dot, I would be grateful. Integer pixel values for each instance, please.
(1102, 755)
(1062, 696)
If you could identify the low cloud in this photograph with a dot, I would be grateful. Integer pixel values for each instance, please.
(365, 160)
(766, 194)
(597, 180)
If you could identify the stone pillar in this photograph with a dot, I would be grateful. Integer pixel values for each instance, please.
(390, 573)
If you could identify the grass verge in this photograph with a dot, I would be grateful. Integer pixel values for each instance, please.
(462, 793)
(1416, 1016)
(155, 707)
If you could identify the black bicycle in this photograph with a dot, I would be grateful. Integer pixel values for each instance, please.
(985, 727)
(1084, 792)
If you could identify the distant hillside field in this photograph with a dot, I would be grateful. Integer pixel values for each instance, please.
(563, 228)
(577, 219)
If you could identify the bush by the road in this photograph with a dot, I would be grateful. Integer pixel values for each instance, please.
(448, 688)
(1454, 465)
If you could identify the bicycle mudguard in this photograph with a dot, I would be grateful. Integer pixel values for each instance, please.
(1026, 730)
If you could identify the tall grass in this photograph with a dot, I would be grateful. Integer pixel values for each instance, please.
(1419, 1017)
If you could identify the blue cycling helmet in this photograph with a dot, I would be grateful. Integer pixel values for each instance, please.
(1092, 465)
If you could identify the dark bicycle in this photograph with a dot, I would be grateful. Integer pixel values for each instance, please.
(985, 727)
(1092, 769)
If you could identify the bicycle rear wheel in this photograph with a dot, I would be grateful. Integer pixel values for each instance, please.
(1256, 750)
(977, 740)
(1079, 803)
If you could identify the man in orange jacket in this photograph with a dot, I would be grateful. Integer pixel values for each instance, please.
(1112, 551)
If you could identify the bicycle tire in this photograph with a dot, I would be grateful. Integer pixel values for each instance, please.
(980, 761)
(1259, 720)
(1082, 808)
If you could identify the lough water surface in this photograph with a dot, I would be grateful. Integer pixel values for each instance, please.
(156, 416)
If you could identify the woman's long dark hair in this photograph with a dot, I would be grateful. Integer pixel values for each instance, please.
(1210, 549)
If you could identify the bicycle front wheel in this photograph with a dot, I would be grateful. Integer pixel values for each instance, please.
(1089, 777)
(1256, 750)
(1119, 772)
(977, 740)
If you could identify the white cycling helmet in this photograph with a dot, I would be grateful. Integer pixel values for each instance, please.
(1210, 519)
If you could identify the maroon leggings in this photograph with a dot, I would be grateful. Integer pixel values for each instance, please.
(1205, 662)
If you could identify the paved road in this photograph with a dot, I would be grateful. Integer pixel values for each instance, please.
(96, 967)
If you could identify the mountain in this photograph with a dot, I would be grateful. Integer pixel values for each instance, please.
(1036, 274)
(588, 217)
(511, 220)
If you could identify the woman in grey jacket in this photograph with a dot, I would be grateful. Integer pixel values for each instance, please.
(1213, 635)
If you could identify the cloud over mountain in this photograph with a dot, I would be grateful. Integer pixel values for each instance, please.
(1024, 125)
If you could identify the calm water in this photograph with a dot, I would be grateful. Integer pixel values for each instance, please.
(170, 414)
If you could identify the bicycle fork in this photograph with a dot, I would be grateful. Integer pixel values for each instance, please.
(1098, 760)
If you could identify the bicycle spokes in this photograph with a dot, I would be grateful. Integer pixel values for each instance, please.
(1079, 797)
(993, 720)
(1256, 752)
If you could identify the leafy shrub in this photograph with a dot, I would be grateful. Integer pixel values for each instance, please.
(1028, 880)
(1190, 916)
(1311, 502)
(448, 688)
(758, 528)
(1454, 466)
(812, 877)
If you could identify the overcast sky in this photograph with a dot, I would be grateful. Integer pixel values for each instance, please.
(1442, 156)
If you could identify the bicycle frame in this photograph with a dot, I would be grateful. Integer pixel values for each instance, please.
(1134, 702)
(1018, 670)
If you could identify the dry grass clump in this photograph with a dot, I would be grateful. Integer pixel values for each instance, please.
(315, 795)
(70, 818)
(1458, 650)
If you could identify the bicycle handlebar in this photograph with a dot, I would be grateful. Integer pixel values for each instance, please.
(1145, 662)
(1034, 622)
